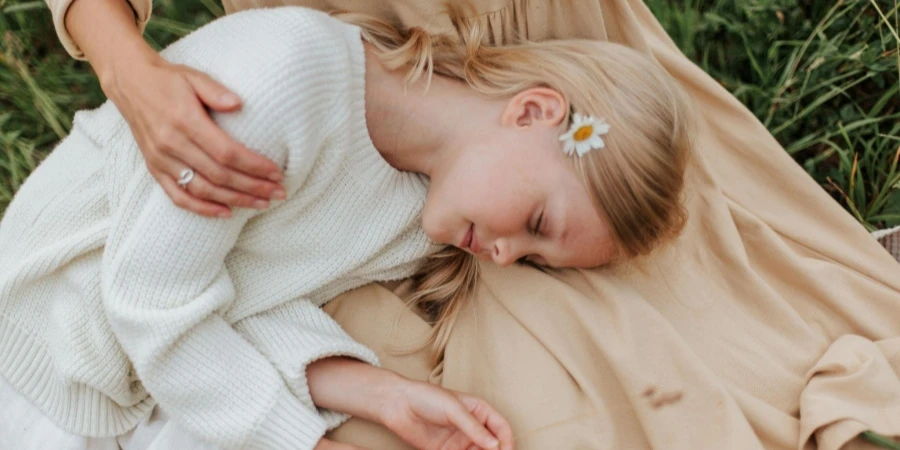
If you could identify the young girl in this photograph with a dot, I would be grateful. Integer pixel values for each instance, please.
(114, 300)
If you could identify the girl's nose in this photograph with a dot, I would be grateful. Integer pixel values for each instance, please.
(502, 253)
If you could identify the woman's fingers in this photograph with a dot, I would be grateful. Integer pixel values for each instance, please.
(216, 143)
(165, 106)
(227, 186)
(212, 93)
(184, 200)
(201, 187)
(486, 414)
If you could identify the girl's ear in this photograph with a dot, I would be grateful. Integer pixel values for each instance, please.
(535, 105)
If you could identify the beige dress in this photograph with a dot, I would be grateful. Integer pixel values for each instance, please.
(773, 322)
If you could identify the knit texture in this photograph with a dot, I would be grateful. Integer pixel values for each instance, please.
(890, 239)
(110, 293)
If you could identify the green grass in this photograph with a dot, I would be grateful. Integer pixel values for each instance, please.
(821, 75)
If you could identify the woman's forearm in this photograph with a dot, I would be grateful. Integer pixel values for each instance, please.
(106, 32)
(351, 387)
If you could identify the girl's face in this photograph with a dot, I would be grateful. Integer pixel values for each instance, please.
(510, 194)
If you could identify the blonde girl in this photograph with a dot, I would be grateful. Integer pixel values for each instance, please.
(118, 305)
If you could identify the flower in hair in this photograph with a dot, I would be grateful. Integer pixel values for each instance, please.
(584, 135)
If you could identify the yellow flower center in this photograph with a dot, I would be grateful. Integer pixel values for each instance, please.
(583, 133)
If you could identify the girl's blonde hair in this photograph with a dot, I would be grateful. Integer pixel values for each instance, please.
(636, 181)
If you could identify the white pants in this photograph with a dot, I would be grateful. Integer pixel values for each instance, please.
(24, 427)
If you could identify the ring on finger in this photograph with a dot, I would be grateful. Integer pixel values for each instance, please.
(185, 177)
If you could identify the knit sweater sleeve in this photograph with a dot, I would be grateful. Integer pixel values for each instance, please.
(164, 279)
(296, 334)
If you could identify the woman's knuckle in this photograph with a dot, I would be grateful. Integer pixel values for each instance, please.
(226, 156)
(164, 138)
(202, 190)
(182, 114)
(218, 176)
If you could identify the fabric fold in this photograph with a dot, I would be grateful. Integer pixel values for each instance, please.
(854, 387)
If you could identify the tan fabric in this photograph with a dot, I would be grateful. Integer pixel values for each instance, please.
(774, 322)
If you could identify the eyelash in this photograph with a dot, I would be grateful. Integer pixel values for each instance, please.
(537, 226)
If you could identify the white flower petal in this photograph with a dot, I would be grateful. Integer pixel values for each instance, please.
(599, 127)
(582, 147)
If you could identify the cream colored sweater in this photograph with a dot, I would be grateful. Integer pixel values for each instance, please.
(113, 299)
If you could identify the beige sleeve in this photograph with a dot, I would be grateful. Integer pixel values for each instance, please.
(141, 8)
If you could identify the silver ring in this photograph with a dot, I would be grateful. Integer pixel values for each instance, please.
(185, 177)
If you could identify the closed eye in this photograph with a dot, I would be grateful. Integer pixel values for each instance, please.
(536, 229)
(534, 261)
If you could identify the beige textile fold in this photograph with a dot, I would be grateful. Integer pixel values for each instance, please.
(773, 322)
(852, 388)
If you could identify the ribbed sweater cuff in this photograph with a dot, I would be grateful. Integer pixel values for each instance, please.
(348, 348)
(294, 337)
(290, 425)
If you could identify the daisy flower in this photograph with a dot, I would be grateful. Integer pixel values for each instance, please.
(584, 135)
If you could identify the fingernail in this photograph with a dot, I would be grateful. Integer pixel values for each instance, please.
(492, 444)
(276, 176)
(229, 99)
(224, 214)
(279, 195)
(260, 204)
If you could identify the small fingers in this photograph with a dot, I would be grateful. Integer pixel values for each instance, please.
(486, 414)
(465, 422)
(326, 444)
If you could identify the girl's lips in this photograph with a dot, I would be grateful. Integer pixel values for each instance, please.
(473, 242)
(467, 239)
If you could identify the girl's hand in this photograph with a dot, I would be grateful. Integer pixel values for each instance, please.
(432, 418)
(164, 104)
(325, 444)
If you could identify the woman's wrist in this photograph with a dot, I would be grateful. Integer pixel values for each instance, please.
(353, 387)
(106, 32)
(133, 60)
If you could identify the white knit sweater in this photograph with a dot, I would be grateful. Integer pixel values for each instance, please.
(109, 293)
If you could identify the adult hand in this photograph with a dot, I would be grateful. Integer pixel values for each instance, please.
(432, 418)
(165, 106)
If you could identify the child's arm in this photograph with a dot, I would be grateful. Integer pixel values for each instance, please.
(423, 414)
(420, 413)
(164, 279)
